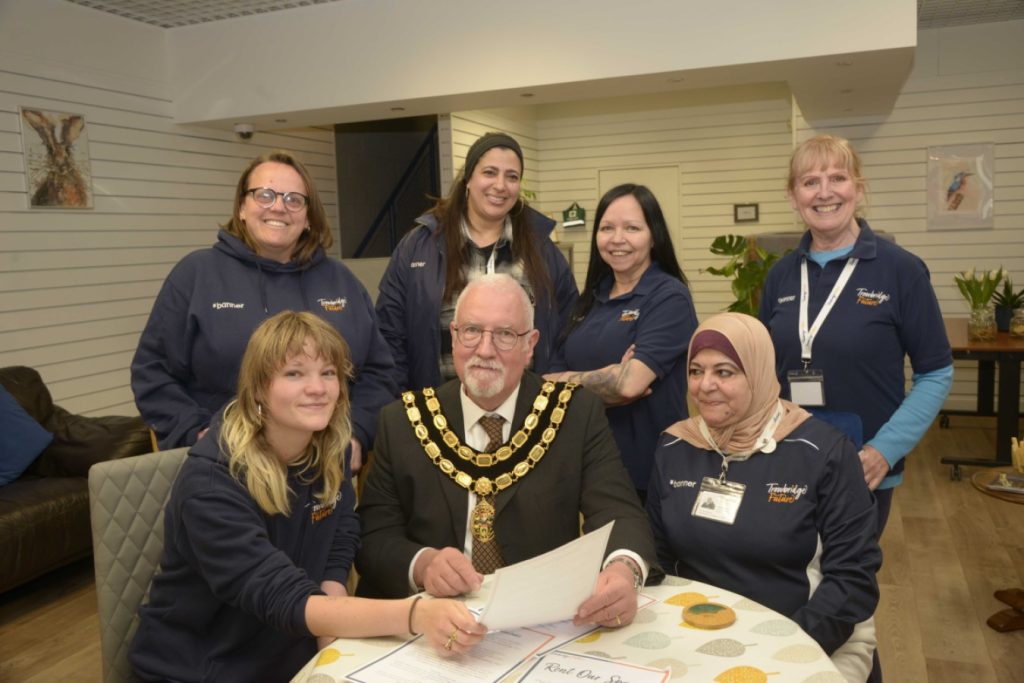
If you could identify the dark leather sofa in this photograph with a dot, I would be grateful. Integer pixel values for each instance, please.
(44, 514)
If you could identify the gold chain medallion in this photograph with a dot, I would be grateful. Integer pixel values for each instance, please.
(482, 521)
(482, 485)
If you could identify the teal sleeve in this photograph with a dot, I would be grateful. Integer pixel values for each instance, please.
(900, 434)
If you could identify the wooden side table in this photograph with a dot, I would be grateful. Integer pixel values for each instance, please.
(1012, 618)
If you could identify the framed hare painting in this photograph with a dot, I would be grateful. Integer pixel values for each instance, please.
(56, 159)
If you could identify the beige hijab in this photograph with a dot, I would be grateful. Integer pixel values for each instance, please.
(753, 346)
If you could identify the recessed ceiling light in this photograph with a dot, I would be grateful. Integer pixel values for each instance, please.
(397, 108)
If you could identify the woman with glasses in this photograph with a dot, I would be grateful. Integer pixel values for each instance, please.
(269, 257)
(482, 226)
(628, 334)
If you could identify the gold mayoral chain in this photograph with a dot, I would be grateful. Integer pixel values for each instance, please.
(517, 467)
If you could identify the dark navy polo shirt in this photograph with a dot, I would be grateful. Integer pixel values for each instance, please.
(658, 317)
(888, 310)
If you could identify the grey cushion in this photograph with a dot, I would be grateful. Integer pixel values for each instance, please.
(126, 502)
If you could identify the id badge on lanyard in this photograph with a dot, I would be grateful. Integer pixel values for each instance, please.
(807, 385)
(718, 500)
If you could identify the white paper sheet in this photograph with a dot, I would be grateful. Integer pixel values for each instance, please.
(565, 667)
(491, 660)
(549, 587)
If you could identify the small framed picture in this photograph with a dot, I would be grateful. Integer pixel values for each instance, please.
(745, 213)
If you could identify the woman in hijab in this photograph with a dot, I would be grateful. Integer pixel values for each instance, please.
(756, 496)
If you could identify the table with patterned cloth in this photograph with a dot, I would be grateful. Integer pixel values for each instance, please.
(760, 646)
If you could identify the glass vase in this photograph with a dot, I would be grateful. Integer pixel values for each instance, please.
(1017, 323)
(981, 326)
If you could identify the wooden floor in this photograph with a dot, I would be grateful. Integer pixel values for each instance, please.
(947, 548)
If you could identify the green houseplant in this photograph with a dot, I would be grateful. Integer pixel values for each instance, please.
(1006, 300)
(748, 265)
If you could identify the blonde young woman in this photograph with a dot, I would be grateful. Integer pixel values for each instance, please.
(260, 530)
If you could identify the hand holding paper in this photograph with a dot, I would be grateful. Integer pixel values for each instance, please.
(613, 603)
(549, 587)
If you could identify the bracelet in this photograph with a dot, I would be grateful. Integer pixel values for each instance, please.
(412, 608)
(634, 568)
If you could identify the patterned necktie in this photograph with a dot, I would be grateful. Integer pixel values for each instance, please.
(487, 554)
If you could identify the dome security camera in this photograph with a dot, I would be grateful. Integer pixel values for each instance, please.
(244, 131)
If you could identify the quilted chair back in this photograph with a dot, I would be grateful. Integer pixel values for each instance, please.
(126, 502)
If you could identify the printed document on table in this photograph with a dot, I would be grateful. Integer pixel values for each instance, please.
(549, 587)
(567, 667)
(492, 659)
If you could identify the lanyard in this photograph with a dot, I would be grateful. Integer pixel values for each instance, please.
(765, 442)
(807, 335)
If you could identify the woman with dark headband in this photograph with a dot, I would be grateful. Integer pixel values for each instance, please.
(482, 226)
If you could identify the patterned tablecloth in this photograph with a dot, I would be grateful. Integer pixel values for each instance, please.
(762, 646)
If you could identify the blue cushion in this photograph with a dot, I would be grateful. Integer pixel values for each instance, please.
(22, 439)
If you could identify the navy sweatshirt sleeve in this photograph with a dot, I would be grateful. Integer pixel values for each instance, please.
(392, 296)
(848, 592)
(227, 544)
(346, 538)
(374, 385)
(160, 369)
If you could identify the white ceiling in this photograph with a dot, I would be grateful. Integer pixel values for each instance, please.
(869, 85)
(171, 13)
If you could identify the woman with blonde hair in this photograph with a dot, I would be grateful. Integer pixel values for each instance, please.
(846, 308)
(260, 529)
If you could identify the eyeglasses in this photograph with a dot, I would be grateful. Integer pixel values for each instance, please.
(504, 338)
(265, 197)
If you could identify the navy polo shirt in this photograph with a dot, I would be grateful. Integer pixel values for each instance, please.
(658, 317)
(888, 310)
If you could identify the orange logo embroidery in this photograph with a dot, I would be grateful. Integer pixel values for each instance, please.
(785, 493)
(629, 315)
(333, 305)
(869, 298)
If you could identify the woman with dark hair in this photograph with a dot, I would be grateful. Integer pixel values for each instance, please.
(627, 337)
(482, 226)
(260, 529)
(270, 256)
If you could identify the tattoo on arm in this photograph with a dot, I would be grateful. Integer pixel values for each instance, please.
(606, 382)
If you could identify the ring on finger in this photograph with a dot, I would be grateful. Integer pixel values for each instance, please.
(618, 621)
(452, 639)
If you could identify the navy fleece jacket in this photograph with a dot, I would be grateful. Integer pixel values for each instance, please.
(186, 366)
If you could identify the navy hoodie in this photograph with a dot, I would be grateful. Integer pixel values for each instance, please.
(229, 601)
(186, 366)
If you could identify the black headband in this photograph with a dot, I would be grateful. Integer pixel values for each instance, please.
(490, 141)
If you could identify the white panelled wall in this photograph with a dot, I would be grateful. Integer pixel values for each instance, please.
(732, 146)
(76, 286)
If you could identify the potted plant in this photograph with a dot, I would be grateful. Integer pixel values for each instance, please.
(747, 266)
(978, 290)
(1006, 300)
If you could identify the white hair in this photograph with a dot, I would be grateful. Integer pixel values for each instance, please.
(498, 281)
